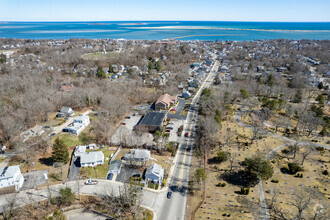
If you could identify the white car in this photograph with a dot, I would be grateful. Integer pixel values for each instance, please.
(91, 182)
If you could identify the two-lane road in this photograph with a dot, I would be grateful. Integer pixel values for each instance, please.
(175, 207)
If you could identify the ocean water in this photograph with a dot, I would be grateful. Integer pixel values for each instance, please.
(158, 30)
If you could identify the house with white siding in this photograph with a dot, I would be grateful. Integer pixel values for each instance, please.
(11, 176)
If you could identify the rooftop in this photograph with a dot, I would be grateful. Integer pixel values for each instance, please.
(8, 172)
(91, 157)
(153, 118)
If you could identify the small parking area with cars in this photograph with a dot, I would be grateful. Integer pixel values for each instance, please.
(178, 110)
(126, 172)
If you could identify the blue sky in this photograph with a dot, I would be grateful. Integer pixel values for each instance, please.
(126, 10)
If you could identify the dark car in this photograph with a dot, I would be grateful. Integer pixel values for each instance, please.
(109, 177)
(123, 123)
(137, 175)
(52, 134)
(127, 117)
(169, 194)
(188, 148)
(169, 128)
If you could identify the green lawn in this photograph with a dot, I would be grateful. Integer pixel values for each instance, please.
(71, 140)
(99, 172)
(100, 56)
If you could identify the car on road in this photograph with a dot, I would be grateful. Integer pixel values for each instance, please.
(127, 117)
(91, 182)
(52, 134)
(169, 128)
(173, 109)
(109, 176)
(169, 194)
(168, 131)
(188, 148)
(186, 134)
(123, 123)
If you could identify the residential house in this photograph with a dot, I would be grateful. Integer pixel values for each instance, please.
(91, 159)
(78, 125)
(82, 119)
(65, 111)
(164, 102)
(37, 130)
(115, 167)
(186, 94)
(152, 121)
(224, 69)
(138, 155)
(154, 173)
(195, 83)
(79, 150)
(11, 176)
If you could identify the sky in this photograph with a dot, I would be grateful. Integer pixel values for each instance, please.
(145, 10)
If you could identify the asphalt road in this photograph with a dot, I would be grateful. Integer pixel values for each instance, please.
(175, 207)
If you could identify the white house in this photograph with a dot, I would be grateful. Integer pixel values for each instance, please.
(82, 119)
(79, 150)
(65, 111)
(11, 176)
(154, 173)
(91, 159)
(37, 130)
(78, 125)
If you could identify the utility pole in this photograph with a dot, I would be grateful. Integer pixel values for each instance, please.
(49, 193)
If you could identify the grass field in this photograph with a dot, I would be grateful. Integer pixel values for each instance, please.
(100, 56)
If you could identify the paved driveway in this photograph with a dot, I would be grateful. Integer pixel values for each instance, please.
(126, 172)
(34, 179)
(74, 169)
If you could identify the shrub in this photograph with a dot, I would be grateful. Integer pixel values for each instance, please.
(274, 181)
(152, 185)
(299, 175)
(321, 149)
(247, 144)
(245, 191)
(294, 168)
(157, 185)
(325, 172)
(224, 214)
(221, 184)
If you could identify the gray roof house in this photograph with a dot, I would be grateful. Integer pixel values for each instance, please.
(154, 173)
(37, 130)
(138, 155)
(65, 111)
(91, 159)
(115, 166)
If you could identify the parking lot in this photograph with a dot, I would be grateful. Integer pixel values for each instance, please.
(124, 135)
(175, 124)
(178, 110)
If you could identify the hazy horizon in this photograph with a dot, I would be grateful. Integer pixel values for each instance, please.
(171, 10)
